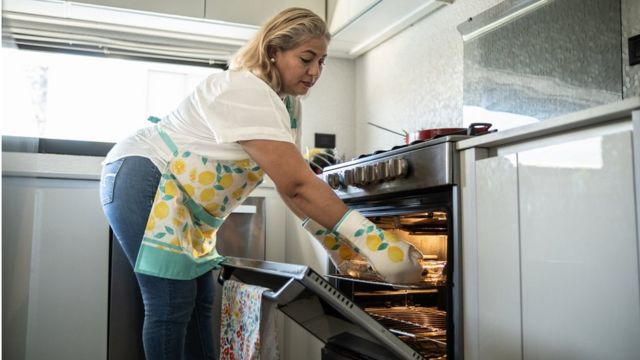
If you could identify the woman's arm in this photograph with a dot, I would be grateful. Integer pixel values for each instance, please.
(299, 187)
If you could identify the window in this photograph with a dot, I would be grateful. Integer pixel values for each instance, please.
(78, 97)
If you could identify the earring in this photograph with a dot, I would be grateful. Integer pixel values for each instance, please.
(273, 61)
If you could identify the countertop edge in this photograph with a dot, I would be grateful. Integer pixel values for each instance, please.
(587, 117)
(51, 165)
(58, 166)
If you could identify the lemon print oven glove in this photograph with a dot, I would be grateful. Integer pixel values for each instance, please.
(339, 251)
(394, 259)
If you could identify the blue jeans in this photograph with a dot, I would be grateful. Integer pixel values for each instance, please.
(178, 317)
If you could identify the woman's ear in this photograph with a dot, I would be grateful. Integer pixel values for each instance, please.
(272, 51)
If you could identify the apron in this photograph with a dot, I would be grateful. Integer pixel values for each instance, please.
(194, 197)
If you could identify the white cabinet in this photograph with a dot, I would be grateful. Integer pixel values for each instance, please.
(191, 8)
(579, 255)
(253, 12)
(55, 269)
(551, 261)
(498, 258)
(248, 12)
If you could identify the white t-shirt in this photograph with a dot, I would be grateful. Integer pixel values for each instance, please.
(225, 108)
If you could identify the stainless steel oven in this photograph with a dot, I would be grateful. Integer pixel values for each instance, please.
(411, 190)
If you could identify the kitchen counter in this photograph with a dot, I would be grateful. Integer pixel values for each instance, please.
(51, 166)
(580, 119)
(548, 209)
(61, 166)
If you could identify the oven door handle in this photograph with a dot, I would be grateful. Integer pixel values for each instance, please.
(284, 295)
(287, 293)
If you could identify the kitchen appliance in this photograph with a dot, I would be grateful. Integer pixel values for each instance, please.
(411, 190)
(428, 134)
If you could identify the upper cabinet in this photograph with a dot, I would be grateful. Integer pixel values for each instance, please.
(251, 12)
(359, 26)
(191, 8)
(245, 12)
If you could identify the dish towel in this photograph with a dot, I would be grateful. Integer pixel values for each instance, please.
(247, 326)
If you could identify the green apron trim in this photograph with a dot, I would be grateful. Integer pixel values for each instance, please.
(167, 140)
(174, 265)
(154, 241)
(292, 118)
(154, 119)
(197, 209)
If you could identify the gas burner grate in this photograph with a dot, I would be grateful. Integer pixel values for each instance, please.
(423, 328)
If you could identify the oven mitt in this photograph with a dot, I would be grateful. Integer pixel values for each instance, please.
(396, 260)
(339, 251)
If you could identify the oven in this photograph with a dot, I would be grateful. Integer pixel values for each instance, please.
(411, 190)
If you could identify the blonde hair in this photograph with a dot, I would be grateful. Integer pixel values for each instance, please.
(284, 31)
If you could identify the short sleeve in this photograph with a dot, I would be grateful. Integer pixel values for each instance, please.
(248, 109)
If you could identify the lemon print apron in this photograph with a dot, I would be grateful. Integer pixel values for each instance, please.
(194, 197)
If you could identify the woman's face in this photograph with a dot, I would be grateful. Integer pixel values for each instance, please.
(301, 66)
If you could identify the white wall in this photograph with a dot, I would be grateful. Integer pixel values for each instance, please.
(330, 106)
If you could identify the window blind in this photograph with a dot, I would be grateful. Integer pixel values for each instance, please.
(152, 42)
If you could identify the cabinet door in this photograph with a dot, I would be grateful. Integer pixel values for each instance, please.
(55, 251)
(498, 251)
(253, 12)
(580, 296)
(192, 8)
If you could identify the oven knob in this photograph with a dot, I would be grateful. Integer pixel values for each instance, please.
(400, 167)
(383, 171)
(359, 176)
(347, 177)
(333, 180)
(391, 169)
(369, 174)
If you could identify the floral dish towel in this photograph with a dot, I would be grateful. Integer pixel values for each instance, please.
(247, 326)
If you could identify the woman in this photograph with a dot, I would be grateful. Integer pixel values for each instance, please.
(168, 188)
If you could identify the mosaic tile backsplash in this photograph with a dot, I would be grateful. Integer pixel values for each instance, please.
(564, 56)
(630, 28)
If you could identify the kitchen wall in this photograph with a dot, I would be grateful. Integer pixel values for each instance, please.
(329, 107)
(414, 80)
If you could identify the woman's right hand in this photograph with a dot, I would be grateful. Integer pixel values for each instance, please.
(395, 259)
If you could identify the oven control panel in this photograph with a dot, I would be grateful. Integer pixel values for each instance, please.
(406, 169)
(374, 173)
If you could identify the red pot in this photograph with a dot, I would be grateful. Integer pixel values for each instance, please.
(428, 134)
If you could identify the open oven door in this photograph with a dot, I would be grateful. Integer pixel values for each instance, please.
(308, 299)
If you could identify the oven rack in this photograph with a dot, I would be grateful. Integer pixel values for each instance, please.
(422, 327)
(424, 284)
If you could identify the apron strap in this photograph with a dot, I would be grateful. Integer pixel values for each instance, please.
(196, 209)
(292, 118)
(167, 141)
(163, 135)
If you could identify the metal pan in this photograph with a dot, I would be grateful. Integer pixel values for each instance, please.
(428, 134)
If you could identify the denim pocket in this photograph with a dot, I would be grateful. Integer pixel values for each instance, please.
(108, 181)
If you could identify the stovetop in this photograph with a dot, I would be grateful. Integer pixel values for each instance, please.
(419, 165)
(414, 145)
